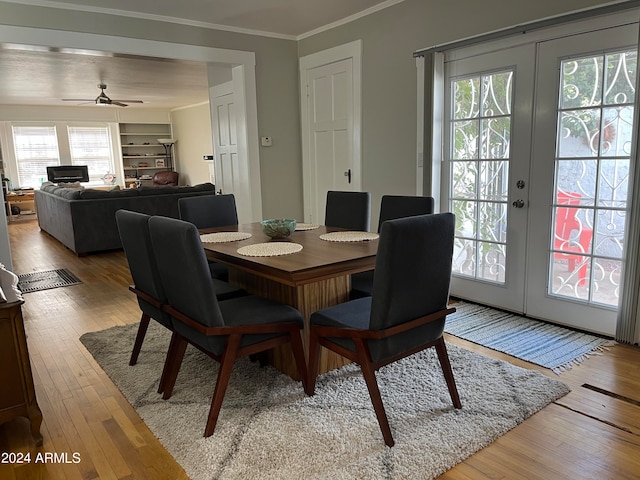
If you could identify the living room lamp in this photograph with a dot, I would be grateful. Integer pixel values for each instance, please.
(167, 143)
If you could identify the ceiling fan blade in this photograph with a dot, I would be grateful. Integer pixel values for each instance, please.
(128, 101)
(77, 100)
(120, 104)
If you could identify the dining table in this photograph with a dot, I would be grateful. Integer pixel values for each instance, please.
(317, 275)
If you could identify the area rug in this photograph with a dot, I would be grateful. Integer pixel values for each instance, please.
(36, 281)
(269, 429)
(535, 341)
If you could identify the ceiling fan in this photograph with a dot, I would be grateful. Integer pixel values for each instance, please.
(103, 99)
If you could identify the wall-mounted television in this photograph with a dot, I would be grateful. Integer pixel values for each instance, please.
(68, 173)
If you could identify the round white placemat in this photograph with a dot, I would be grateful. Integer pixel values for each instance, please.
(349, 236)
(306, 226)
(271, 249)
(222, 237)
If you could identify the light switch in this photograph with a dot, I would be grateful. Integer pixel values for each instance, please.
(266, 141)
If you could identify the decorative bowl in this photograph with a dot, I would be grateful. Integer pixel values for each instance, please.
(278, 228)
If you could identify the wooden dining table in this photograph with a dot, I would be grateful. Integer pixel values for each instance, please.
(316, 277)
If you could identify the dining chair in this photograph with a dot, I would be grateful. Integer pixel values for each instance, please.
(136, 242)
(391, 207)
(209, 211)
(405, 314)
(224, 330)
(349, 210)
(571, 237)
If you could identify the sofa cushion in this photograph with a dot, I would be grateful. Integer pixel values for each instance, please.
(69, 193)
(92, 194)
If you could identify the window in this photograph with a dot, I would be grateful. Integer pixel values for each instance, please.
(36, 148)
(91, 146)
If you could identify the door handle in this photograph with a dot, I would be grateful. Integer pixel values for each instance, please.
(348, 174)
(220, 192)
(518, 203)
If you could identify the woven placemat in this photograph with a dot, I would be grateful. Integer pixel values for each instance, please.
(271, 249)
(222, 237)
(349, 236)
(306, 226)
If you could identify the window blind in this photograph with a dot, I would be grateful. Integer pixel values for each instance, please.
(91, 146)
(36, 148)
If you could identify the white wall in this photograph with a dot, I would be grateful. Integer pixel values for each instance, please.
(192, 130)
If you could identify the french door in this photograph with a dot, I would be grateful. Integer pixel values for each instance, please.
(486, 169)
(537, 174)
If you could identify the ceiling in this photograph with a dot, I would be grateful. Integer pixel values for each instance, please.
(44, 77)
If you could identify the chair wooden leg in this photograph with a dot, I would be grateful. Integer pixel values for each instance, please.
(314, 361)
(224, 374)
(173, 344)
(443, 357)
(298, 354)
(374, 392)
(142, 331)
(172, 365)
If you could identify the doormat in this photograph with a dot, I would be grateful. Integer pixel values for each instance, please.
(36, 281)
(535, 341)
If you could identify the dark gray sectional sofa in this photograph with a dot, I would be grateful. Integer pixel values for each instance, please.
(84, 219)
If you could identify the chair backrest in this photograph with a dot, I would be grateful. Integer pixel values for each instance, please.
(350, 210)
(166, 177)
(183, 269)
(411, 279)
(136, 242)
(401, 206)
(566, 220)
(208, 211)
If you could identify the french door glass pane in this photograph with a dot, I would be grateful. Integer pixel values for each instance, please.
(481, 109)
(593, 147)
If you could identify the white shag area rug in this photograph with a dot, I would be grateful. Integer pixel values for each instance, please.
(269, 429)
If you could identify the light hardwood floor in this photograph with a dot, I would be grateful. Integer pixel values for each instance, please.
(592, 433)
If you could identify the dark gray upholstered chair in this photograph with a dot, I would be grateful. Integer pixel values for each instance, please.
(210, 211)
(136, 241)
(224, 330)
(406, 312)
(349, 210)
(391, 207)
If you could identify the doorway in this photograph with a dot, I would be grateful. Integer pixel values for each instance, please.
(537, 169)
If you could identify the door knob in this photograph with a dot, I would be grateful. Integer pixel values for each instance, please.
(518, 203)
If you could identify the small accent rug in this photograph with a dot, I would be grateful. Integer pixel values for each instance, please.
(36, 281)
(269, 429)
(535, 341)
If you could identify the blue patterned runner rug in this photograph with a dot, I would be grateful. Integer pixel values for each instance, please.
(535, 341)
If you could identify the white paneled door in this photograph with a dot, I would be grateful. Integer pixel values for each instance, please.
(539, 188)
(228, 173)
(330, 126)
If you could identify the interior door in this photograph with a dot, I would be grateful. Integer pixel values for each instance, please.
(228, 177)
(580, 177)
(329, 134)
(486, 170)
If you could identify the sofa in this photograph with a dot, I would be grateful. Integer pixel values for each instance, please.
(84, 219)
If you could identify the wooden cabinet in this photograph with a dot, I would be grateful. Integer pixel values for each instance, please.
(24, 200)
(17, 393)
(142, 154)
